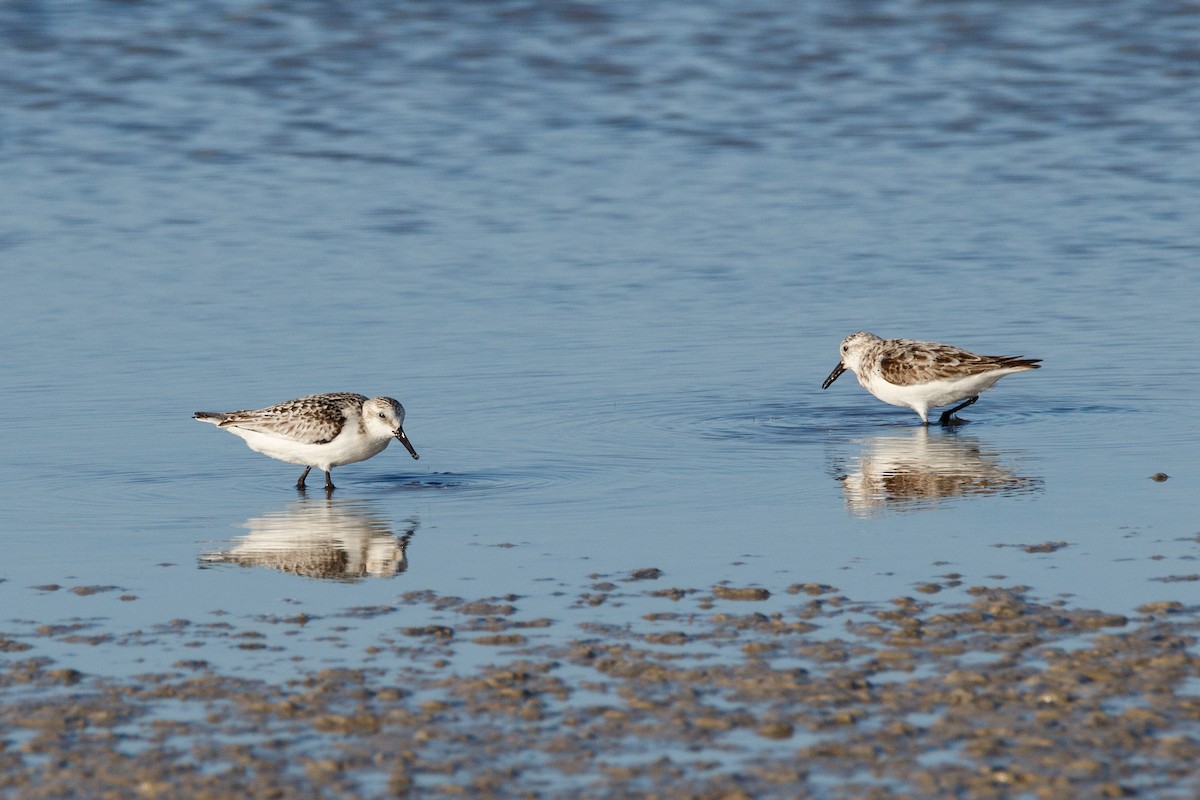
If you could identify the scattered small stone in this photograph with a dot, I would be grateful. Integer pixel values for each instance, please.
(776, 730)
(89, 640)
(486, 609)
(501, 639)
(673, 637)
(672, 594)
(1159, 477)
(759, 649)
(1161, 607)
(439, 631)
(366, 612)
(647, 574)
(748, 593)
(61, 630)
(67, 677)
(84, 591)
(1044, 547)
(810, 588)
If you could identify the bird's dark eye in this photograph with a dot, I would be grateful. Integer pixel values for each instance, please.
(381, 415)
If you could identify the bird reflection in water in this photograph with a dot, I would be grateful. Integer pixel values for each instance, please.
(321, 539)
(920, 469)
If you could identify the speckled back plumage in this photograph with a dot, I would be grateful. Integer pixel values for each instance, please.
(315, 419)
(905, 362)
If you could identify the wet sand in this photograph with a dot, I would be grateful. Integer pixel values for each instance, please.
(989, 693)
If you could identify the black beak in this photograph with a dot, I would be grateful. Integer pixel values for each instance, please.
(404, 441)
(833, 376)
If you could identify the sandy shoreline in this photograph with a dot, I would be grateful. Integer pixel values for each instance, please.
(1000, 695)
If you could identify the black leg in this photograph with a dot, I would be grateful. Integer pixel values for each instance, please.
(300, 483)
(946, 417)
(329, 482)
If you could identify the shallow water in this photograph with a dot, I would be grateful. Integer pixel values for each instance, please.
(604, 255)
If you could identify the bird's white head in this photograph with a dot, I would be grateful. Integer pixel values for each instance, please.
(384, 417)
(853, 348)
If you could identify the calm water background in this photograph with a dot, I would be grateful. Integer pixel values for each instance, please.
(604, 254)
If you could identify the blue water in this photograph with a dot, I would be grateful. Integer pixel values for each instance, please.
(604, 254)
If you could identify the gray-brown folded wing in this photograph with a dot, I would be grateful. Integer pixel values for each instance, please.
(309, 420)
(940, 362)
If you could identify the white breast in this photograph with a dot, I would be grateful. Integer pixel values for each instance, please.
(349, 447)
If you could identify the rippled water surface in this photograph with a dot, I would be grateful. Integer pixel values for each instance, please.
(604, 254)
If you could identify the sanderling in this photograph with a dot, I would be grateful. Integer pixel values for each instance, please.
(321, 430)
(923, 375)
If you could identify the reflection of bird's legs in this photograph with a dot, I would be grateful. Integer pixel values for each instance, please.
(944, 419)
(300, 483)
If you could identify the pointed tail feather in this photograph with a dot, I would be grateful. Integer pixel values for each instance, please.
(1013, 362)
(211, 417)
